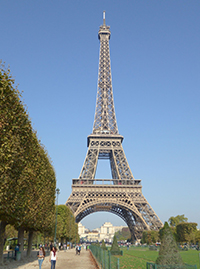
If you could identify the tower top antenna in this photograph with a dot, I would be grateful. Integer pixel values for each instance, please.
(104, 18)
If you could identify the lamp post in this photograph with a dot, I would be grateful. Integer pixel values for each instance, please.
(57, 192)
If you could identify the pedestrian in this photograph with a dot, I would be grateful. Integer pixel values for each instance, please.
(79, 249)
(16, 250)
(53, 257)
(41, 256)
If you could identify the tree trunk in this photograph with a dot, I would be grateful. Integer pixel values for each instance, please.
(21, 240)
(30, 241)
(2, 235)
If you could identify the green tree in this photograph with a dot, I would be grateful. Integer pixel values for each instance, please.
(15, 138)
(115, 248)
(27, 178)
(197, 236)
(67, 229)
(149, 237)
(173, 221)
(35, 209)
(154, 236)
(62, 222)
(103, 245)
(10, 231)
(168, 253)
(123, 234)
(186, 232)
(144, 239)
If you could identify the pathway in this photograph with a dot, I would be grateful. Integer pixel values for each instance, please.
(66, 259)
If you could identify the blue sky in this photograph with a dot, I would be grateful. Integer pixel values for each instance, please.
(52, 48)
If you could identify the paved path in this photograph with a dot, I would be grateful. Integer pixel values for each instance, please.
(66, 259)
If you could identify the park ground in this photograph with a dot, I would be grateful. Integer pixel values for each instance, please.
(134, 258)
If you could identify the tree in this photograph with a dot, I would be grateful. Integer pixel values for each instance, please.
(154, 236)
(168, 254)
(15, 138)
(149, 237)
(65, 221)
(197, 236)
(67, 229)
(173, 221)
(123, 234)
(103, 245)
(10, 231)
(115, 248)
(186, 232)
(62, 222)
(27, 178)
(144, 238)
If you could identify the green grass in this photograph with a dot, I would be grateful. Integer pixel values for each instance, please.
(191, 257)
(136, 257)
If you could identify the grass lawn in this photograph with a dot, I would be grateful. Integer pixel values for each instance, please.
(136, 257)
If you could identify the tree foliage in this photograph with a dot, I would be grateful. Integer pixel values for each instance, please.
(115, 248)
(168, 254)
(15, 146)
(27, 177)
(67, 229)
(174, 221)
(123, 234)
(149, 237)
(103, 245)
(10, 231)
(186, 232)
(197, 236)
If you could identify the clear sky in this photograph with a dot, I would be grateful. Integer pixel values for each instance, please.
(52, 48)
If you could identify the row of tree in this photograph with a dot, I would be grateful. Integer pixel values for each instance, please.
(67, 229)
(27, 177)
(182, 230)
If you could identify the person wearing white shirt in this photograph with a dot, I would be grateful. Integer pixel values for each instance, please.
(53, 257)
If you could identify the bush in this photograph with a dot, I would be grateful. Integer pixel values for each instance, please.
(103, 245)
(115, 250)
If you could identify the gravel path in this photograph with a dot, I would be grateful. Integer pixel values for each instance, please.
(66, 259)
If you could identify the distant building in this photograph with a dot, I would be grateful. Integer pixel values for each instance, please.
(82, 231)
(105, 232)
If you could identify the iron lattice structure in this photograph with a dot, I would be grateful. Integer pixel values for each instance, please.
(121, 195)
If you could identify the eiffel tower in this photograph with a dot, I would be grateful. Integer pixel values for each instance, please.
(121, 195)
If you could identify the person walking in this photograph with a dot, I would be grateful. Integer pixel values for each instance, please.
(16, 250)
(79, 249)
(41, 256)
(53, 257)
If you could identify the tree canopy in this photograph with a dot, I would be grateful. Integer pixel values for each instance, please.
(67, 229)
(150, 237)
(123, 234)
(186, 232)
(173, 221)
(27, 177)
